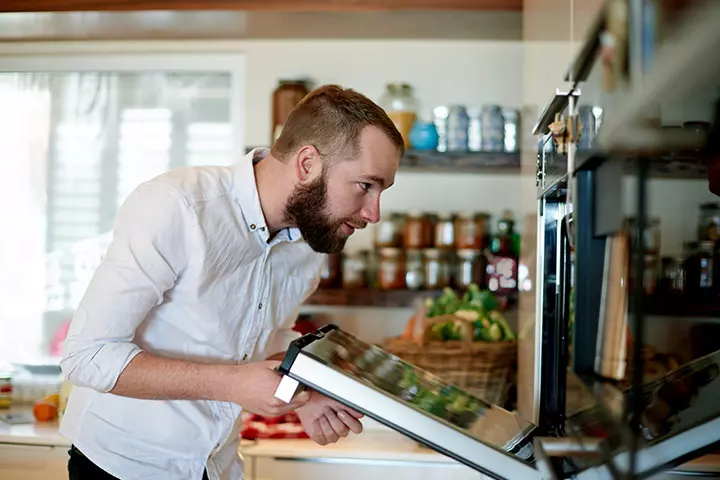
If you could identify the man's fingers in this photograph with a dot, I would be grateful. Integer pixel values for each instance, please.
(330, 435)
(300, 399)
(337, 406)
(352, 423)
(337, 425)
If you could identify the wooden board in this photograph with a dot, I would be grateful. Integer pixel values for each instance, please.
(250, 5)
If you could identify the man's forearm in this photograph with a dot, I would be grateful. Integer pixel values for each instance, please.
(151, 377)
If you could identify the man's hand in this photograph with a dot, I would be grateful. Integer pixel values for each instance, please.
(326, 421)
(253, 388)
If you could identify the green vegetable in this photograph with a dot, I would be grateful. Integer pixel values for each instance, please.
(507, 331)
(495, 332)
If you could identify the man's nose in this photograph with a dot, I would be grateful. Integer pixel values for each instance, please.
(371, 212)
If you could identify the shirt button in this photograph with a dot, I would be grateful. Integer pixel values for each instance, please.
(252, 226)
(245, 357)
(260, 306)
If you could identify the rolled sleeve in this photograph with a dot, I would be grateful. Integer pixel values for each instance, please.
(144, 260)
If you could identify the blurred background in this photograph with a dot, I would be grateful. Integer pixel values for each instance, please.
(498, 101)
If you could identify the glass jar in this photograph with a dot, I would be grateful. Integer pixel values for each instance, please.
(389, 230)
(417, 232)
(400, 104)
(673, 275)
(391, 269)
(700, 270)
(331, 273)
(709, 223)
(414, 270)
(651, 234)
(652, 274)
(437, 268)
(444, 237)
(471, 231)
(471, 269)
(354, 270)
(6, 390)
(286, 96)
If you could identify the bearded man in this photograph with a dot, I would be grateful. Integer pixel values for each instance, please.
(191, 309)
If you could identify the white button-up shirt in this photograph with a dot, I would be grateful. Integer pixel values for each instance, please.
(191, 274)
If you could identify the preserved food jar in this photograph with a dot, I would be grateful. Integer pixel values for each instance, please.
(471, 231)
(400, 104)
(414, 270)
(354, 270)
(700, 270)
(6, 390)
(417, 232)
(444, 237)
(391, 269)
(471, 269)
(437, 268)
(709, 225)
(651, 235)
(286, 96)
(389, 231)
(502, 269)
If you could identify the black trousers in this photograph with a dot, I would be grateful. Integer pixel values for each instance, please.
(81, 468)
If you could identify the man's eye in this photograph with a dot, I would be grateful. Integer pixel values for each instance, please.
(365, 186)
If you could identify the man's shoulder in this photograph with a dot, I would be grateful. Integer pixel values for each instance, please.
(196, 184)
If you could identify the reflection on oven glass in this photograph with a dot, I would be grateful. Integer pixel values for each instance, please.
(423, 390)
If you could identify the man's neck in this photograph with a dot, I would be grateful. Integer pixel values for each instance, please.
(273, 191)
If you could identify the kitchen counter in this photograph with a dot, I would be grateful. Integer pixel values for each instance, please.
(371, 444)
(383, 445)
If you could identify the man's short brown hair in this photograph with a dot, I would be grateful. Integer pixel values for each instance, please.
(331, 118)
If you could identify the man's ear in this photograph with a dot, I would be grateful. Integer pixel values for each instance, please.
(307, 163)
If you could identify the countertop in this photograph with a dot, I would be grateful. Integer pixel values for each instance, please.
(371, 444)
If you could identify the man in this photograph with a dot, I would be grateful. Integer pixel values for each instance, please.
(201, 286)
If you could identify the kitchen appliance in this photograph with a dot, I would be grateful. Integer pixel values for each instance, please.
(410, 400)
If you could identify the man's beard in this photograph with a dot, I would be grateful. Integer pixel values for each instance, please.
(307, 210)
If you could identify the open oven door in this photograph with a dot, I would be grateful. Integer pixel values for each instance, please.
(445, 418)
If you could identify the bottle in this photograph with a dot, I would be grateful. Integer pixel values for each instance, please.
(502, 266)
(400, 104)
(286, 96)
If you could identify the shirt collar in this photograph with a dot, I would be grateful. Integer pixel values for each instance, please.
(246, 195)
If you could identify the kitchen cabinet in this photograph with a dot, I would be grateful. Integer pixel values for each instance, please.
(33, 462)
(269, 468)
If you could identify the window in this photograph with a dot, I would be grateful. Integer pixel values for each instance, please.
(77, 135)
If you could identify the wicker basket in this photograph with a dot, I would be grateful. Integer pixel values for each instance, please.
(481, 368)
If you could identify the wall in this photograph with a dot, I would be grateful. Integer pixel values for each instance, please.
(441, 72)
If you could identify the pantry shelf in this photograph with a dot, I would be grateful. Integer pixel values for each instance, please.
(480, 162)
(367, 297)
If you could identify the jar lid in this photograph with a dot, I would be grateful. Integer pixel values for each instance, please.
(444, 216)
(707, 245)
(468, 253)
(432, 253)
(390, 252)
(415, 214)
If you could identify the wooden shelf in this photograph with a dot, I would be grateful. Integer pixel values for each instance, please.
(368, 297)
(431, 160)
(676, 306)
(465, 162)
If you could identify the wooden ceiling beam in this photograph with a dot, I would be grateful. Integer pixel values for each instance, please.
(259, 5)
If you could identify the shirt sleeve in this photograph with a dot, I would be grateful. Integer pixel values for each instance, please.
(147, 254)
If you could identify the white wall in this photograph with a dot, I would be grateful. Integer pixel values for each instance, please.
(441, 72)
